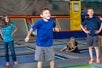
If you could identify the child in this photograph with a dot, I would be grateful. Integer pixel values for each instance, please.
(92, 28)
(83, 15)
(71, 46)
(7, 31)
(100, 38)
(44, 49)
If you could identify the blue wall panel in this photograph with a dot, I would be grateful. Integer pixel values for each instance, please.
(63, 35)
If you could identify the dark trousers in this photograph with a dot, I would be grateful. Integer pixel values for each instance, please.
(7, 46)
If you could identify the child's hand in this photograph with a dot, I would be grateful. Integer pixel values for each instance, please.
(26, 39)
(101, 19)
(97, 31)
(57, 29)
(87, 31)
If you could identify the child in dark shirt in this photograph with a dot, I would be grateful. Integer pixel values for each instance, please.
(71, 46)
(92, 26)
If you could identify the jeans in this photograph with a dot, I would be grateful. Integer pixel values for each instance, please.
(7, 46)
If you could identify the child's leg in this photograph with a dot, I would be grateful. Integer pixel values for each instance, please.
(40, 63)
(6, 53)
(13, 52)
(52, 64)
(91, 52)
(97, 54)
(95, 43)
(90, 44)
(91, 55)
(39, 56)
(99, 41)
(50, 56)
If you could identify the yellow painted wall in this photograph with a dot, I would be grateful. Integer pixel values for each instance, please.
(75, 15)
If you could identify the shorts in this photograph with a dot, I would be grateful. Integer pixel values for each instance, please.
(92, 40)
(44, 53)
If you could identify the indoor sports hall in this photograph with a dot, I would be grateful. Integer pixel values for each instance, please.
(67, 17)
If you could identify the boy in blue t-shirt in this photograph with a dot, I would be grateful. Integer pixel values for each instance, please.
(44, 50)
(92, 27)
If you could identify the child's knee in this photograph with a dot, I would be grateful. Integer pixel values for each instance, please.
(96, 47)
(90, 47)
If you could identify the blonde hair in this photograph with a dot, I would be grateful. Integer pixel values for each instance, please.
(72, 42)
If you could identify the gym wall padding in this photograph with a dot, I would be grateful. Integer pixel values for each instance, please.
(34, 19)
(63, 23)
(22, 28)
(68, 34)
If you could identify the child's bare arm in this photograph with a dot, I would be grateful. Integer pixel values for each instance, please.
(15, 29)
(29, 33)
(72, 49)
(98, 31)
(63, 48)
(56, 29)
(84, 29)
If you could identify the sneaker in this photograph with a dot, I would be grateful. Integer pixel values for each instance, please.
(7, 64)
(15, 62)
(91, 61)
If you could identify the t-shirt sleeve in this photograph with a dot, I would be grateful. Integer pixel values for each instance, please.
(84, 23)
(36, 25)
(13, 25)
(99, 21)
(54, 24)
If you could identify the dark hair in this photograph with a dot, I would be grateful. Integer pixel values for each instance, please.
(42, 10)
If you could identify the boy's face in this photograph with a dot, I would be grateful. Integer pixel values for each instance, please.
(90, 12)
(46, 14)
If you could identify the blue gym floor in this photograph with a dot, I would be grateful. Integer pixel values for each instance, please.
(25, 55)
